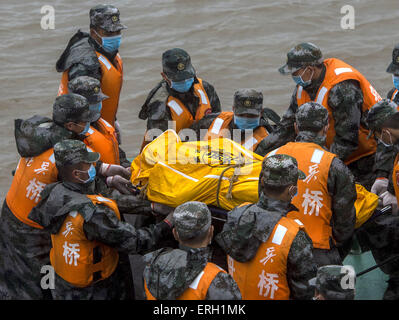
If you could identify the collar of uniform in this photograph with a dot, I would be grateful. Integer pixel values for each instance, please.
(196, 252)
(87, 188)
(273, 204)
(308, 136)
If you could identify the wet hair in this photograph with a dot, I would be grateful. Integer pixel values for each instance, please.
(196, 240)
(274, 190)
(65, 172)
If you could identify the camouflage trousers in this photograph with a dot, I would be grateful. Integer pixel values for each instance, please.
(23, 252)
(363, 172)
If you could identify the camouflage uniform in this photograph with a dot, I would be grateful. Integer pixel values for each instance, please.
(155, 109)
(240, 97)
(169, 272)
(80, 54)
(101, 223)
(90, 88)
(345, 100)
(328, 282)
(247, 227)
(380, 234)
(310, 119)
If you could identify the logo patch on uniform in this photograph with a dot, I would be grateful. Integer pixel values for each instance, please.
(397, 59)
(114, 18)
(181, 66)
(96, 89)
(247, 103)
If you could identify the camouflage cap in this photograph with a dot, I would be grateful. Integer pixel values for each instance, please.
(311, 116)
(176, 64)
(331, 280)
(379, 113)
(71, 107)
(90, 88)
(69, 152)
(394, 65)
(106, 16)
(304, 54)
(248, 101)
(281, 170)
(191, 219)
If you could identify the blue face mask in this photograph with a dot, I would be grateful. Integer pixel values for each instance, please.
(86, 128)
(246, 123)
(96, 107)
(182, 86)
(111, 44)
(92, 174)
(395, 80)
(298, 80)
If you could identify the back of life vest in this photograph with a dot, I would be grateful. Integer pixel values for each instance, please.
(30, 178)
(336, 72)
(198, 289)
(313, 199)
(111, 85)
(264, 277)
(104, 142)
(180, 114)
(76, 259)
(219, 128)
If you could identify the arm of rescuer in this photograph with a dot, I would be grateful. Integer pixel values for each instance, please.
(345, 100)
(284, 132)
(342, 189)
(223, 287)
(301, 267)
(105, 227)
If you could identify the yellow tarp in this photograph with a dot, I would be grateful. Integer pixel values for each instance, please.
(175, 172)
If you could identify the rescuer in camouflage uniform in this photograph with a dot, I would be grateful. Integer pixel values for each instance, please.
(345, 99)
(248, 226)
(170, 272)
(100, 222)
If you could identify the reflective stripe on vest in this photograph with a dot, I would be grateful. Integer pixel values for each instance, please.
(73, 255)
(264, 277)
(198, 289)
(30, 178)
(111, 85)
(336, 72)
(395, 177)
(313, 199)
(104, 141)
(219, 128)
(181, 115)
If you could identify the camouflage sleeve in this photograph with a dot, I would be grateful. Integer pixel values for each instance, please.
(390, 93)
(284, 132)
(203, 124)
(345, 100)
(341, 187)
(105, 227)
(212, 95)
(301, 267)
(79, 69)
(223, 287)
(123, 158)
(384, 159)
(390, 188)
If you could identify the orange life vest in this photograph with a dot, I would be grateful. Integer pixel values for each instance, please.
(395, 177)
(219, 128)
(30, 178)
(72, 254)
(199, 287)
(313, 199)
(336, 72)
(180, 113)
(111, 85)
(104, 142)
(264, 277)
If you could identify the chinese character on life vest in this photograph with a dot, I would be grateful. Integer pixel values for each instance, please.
(33, 189)
(312, 200)
(268, 282)
(269, 255)
(313, 170)
(43, 168)
(71, 252)
(230, 263)
(68, 229)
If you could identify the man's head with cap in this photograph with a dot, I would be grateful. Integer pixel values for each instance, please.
(73, 160)
(90, 88)
(177, 69)
(247, 107)
(394, 65)
(383, 120)
(279, 176)
(334, 282)
(72, 112)
(311, 117)
(192, 224)
(304, 61)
